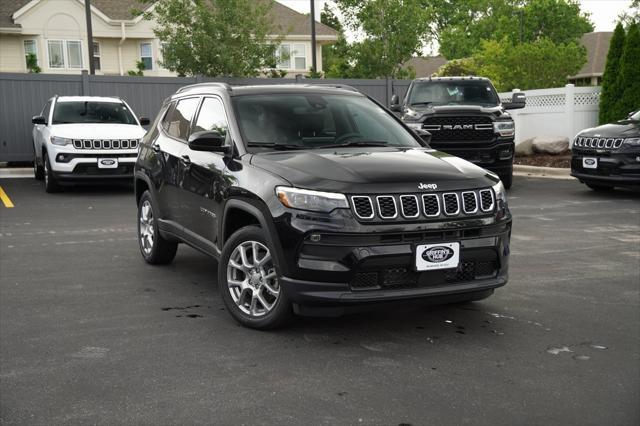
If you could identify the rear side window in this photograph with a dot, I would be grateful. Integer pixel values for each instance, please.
(212, 118)
(178, 119)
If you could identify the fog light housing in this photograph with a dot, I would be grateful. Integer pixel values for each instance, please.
(505, 154)
(63, 158)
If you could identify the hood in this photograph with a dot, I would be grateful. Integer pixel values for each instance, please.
(620, 129)
(374, 170)
(98, 131)
(427, 110)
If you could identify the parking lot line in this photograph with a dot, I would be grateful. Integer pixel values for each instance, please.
(5, 199)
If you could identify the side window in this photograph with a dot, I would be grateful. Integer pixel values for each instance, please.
(45, 111)
(212, 118)
(178, 119)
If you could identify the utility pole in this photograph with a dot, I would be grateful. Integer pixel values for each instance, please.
(87, 11)
(313, 36)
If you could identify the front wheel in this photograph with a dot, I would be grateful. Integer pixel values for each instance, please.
(155, 249)
(38, 170)
(50, 183)
(249, 281)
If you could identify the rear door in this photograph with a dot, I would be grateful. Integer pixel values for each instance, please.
(206, 177)
(170, 146)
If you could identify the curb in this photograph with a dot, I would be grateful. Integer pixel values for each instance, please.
(548, 172)
(17, 172)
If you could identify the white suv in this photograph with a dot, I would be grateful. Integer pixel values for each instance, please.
(85, 137)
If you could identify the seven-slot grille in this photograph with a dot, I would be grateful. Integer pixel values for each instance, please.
(598, 143)
(105, 143)
(432, 205)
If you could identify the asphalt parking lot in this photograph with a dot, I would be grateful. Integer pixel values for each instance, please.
(90, 334)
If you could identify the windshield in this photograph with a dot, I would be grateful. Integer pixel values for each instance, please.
(462, 92)
(310, 121)
(92, 112)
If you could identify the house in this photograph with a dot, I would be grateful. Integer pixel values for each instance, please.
(425, 66)
(597, 45)
(55, 31)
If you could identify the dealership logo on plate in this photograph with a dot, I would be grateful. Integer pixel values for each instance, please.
(589, 161)
(438, 254)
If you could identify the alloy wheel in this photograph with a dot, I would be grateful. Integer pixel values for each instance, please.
(146, 227)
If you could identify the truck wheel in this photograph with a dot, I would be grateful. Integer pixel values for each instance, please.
(507, 179)
(599, 188)
(155, 249)
(50, 183)
(38, 170)
(249, 282)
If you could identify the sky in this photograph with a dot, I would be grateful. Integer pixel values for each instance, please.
(603, 12)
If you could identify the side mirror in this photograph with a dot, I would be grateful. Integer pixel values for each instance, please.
(424, 135)
(144, 121)
(395, 103)
(518, 100)
(38, 119)
(208, 141)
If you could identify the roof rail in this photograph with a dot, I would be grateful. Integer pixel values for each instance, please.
(225, 86)
(337, 86)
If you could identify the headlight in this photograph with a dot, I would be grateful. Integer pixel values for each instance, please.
(60, 141)
(632, 141)
(501, 194)
(414, 125)
(304, 199)
(504, 128)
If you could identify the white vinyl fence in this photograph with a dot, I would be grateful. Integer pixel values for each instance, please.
(558, 112)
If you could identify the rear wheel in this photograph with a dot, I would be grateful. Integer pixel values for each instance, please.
(249, 281)
(50, 183)
(599, 188)
(155, 249)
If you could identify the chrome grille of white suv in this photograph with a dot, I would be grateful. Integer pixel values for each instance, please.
(105, 143)
(423, 206)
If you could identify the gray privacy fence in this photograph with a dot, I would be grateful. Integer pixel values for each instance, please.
(24, 95)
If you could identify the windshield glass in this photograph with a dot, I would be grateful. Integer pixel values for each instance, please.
(467, 92)
(92, 112)
(310, 121)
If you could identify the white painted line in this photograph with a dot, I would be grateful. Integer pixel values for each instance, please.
(17, 172)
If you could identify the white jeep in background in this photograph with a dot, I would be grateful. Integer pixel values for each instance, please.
(85, 138)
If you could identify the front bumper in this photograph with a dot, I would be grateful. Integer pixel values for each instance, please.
(68, 163)
(496, 156)
(613, 168)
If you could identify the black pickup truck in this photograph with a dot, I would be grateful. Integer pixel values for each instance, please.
(465, 118)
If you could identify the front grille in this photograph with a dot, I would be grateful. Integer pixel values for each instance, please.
(598, 143)
(430, 206)
(402, 277)
(105, 143)
(466, 128)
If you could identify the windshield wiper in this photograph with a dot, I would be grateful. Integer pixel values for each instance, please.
(356, 143)
(279, 146)
(421, 103)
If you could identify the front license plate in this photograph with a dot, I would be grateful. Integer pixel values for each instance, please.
(430, 257)
(590, 162)
(107, 163)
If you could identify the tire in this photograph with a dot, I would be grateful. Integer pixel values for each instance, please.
(38, 170)
(250, 289)
(599, 188)
(50, 183)
(154, 249)
(507, 180)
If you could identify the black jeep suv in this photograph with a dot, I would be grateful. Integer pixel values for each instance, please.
(466, 119)
(315, 199)
(608, 156)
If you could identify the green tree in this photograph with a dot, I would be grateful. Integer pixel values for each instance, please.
(630, 73)
(215, 37)
(139, 71)
(612, 88)
(458, 67)
(393, 31)
(512, 66)
(32, 63)
(335, 57)
(631, 15)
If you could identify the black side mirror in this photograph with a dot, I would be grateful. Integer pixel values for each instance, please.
(518, 100)
(144, 121)
(424, 135)
(208, 141)
(395, 103)
(38, 119)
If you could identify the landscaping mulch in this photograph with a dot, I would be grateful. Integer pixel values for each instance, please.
(545, 160)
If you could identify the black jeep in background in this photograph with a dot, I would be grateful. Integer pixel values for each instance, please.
(609, 155)
(465, 118)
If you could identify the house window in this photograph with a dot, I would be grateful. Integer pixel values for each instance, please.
(146, 55)
(30, 48)
(292, 56)
(64, 53)
(96, 55)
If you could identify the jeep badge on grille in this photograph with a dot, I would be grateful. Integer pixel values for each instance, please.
(426, 186)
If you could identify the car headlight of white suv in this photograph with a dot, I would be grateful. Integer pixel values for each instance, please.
(56, 140)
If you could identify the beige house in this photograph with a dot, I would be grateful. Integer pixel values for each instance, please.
(597, 45)
(55, 31)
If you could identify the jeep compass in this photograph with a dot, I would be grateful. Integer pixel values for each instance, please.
(315, 200)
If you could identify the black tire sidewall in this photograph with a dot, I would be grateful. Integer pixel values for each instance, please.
(151, 256)
(50, 183)
(280, 313)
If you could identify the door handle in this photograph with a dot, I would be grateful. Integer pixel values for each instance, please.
(156, 147)
(185, 160)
